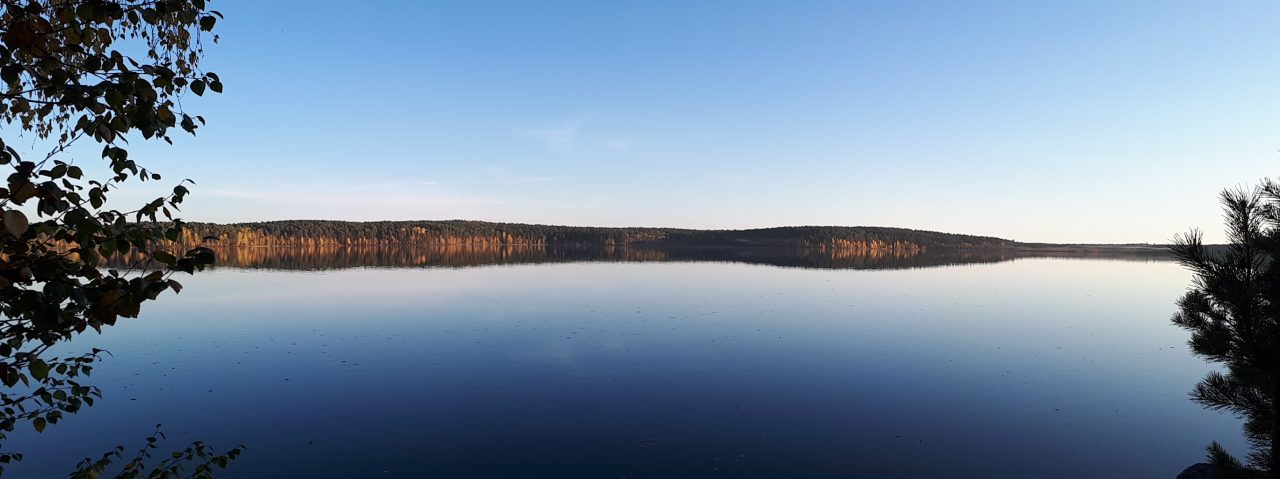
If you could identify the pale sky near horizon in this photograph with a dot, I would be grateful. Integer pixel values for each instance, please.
(1067, 121)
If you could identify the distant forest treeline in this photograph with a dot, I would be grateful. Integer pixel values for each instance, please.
(445, 256)
(479, 233)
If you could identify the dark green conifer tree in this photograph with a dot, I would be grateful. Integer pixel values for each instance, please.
(1233, 313)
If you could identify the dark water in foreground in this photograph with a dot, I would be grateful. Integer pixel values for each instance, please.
(1046, 368)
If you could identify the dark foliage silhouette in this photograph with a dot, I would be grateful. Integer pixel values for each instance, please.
(90, 73)
(1232, 312)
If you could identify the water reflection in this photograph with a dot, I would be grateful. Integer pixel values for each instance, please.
(1032, 368)
(463, 256)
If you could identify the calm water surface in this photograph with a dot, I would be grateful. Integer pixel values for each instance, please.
(1046, 368)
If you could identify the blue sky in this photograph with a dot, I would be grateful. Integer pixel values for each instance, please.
(1080, 121)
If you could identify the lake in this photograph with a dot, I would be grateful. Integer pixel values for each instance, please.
(647, 365)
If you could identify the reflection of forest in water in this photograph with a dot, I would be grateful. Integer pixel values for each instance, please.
(461, 256)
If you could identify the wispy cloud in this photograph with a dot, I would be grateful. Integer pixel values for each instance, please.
(502, 174)
(561, 138)
(350, 196)
(533, 179)
(570, 136)
(357, 202)
(615, 144)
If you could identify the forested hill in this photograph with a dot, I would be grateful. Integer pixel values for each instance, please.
(459, 232)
